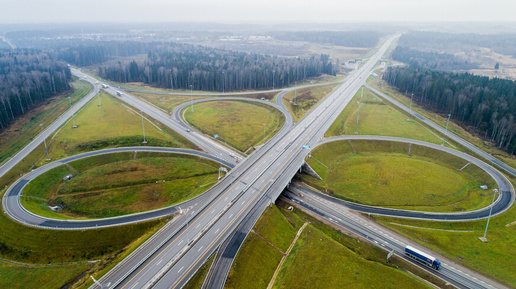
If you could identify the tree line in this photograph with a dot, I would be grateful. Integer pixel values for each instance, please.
(431, 60)
(485, 106)
(179, 66)
(27, 78)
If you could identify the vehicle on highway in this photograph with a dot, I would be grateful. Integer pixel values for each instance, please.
(422, 257)
(118, 93)
(105, 86)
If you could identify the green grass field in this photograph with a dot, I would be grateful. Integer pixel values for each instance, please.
(318, 261)
(382, 174)
(21, 132)
(378, 117)
(306, 99)
(44, 277)
(123, 186)
(239, 124)
(322, 257)
(441, 120)
(110, 125)
(169, 102)
(495, 258)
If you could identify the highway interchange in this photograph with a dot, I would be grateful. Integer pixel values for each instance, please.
(174, 253)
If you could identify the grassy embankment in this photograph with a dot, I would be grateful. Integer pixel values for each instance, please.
(382, 174)
(21, 132)
(321, 258)
(116, 184)
(31, 245)
(111, 125)
(198, 278)
(239, 124)
(169, 102)
(441, 120)
(378, 117)
(306, 99)
(458, 241)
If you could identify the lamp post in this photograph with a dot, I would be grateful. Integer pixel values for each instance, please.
(73, 115)
(444, 137)
(408, 118)
(483, 239)
(358, 113)
(45, 141)
(143, 128)
(191, 96)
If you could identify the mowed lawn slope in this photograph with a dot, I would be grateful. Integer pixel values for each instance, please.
(378, 117)
(123, 186)
(110, 125)
(239, 124)
(426, 180)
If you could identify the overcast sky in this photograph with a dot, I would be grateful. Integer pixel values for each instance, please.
(255, 11)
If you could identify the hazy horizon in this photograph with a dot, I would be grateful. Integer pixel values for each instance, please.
(255, 12)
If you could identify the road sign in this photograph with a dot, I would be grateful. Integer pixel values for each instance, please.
(306, 147)
(216, 136)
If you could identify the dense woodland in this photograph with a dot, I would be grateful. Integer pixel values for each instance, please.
(452, 42)
(364, 39)
(181, 65)
(486, 106)
(431, 60)
(28, 77)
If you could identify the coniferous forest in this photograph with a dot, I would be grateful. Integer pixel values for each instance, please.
(180, 65)
(28, 77)
(485, 106)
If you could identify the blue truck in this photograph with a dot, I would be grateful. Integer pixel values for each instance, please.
(422, 257)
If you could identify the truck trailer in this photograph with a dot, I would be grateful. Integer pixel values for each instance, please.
(422, 257)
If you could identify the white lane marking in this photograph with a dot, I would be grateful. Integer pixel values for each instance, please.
(134, 285)
(243, 202)
(230, 216)
(200, 248)
(180, 242)
(212, 212)
(216, 231)
(180, 269)
(225, 198)
(159, 262)
(198, 226)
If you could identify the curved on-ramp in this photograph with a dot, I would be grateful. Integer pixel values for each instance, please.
(504, 201)
(14, 209)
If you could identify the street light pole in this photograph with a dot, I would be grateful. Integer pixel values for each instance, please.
(191, 96)
(408, 118)
(45, 141)
(73, 115)
(444, 137)
(143, 128)
(358, 113)
(490, 210)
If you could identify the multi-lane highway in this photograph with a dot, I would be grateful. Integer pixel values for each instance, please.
(257, 180)
(172, 255)
(340, 216)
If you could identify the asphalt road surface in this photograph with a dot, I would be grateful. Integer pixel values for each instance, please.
(14, 209)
